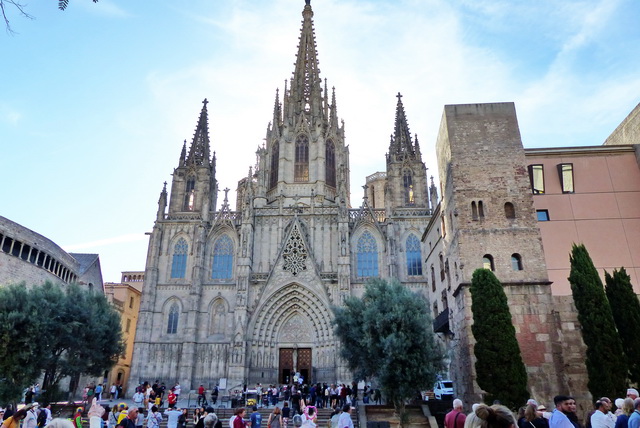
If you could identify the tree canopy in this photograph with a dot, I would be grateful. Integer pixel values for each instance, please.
(625, 308)
(387, 335)
(499, 367)
(606, 362)
(59, 332)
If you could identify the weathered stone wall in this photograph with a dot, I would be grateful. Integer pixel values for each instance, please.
(628, 132)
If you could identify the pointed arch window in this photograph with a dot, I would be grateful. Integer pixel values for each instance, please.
(301, 166)
(367, 255)
(190, 194)
(217, 317)
(222, 258)
(407, 182)
(414, 256)
(275, 157)
(330, 166)
(172, 321)
(179, 262)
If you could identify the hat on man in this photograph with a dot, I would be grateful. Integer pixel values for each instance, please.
(542, 408)
(632, 391)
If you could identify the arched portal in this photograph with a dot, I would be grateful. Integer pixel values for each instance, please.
(292, 332)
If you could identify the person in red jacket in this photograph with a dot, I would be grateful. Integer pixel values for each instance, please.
(172, 398)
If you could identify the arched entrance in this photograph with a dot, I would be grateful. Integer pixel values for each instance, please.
(292, 332)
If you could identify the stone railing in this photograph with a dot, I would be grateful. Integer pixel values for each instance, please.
(355, 215)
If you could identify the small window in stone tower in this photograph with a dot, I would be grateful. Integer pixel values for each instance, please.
(273, 174)
(536, 177)
(487, 262)
(442, 273)
(330, 164)
(190, 194)
(516, 261)
(474, 210)
(433, 279)
(172, 321)
(179, 261)
(566, 177)
(301, 166)
(509, 210)
(407, 181)
(480, 210)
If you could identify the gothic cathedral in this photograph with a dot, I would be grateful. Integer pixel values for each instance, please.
(244, 295)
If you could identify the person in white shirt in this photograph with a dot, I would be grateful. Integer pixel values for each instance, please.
(601, 418)
(31, 420)
(172, 417)
(345, 417)
(558, 418)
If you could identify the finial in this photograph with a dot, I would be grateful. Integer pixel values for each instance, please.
(205, 102)
(226, 195)
(399, 96)
(432, 180)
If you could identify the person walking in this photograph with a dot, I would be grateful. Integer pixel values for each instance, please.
(154, 418)
(275, 419)
(455, 418)
(172, 417)
(345, 418)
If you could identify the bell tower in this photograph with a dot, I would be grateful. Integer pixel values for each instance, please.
(406, 184)
(194, 187)
(305, 157)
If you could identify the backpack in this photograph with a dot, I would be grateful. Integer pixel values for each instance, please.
(297, 421)
(42, 418)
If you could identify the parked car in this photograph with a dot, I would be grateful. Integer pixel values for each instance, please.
(443, 390)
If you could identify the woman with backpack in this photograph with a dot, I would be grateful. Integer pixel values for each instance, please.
(275, 419)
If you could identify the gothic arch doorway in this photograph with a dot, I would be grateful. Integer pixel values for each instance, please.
(292, 332)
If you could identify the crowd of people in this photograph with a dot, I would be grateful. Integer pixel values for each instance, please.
(535, 415)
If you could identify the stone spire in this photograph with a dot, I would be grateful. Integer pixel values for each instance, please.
(199, 151)
(401, 143)
(277, 115)
(183, 154)
(333, 120)
(162, 203)
(306, 91)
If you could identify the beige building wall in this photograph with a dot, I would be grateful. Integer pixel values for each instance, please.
(603, 212)
(125, 297)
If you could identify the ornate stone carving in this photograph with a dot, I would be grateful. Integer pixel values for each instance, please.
(295, 330)
(295, 252)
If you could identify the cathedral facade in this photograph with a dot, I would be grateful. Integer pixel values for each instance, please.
(244, 295)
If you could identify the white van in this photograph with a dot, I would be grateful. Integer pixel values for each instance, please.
(443, 390)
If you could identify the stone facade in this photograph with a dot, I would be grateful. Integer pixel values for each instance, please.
(245, 295)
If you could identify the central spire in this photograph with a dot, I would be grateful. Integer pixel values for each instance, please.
(199, 151)
(401, 142)
(306, 83)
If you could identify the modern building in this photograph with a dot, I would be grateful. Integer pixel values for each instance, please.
(245, 295)
(125, 297)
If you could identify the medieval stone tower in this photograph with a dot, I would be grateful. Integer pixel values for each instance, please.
(245, 295)
(487, 219)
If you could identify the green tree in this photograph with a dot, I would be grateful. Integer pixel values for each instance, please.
(499, 367)
(59, 332)
(606, 362)
(625, 308)
(387, 335)
(20, 358)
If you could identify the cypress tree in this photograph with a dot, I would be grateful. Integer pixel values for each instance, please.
(499, 367)
(606, 362)
(626, 314)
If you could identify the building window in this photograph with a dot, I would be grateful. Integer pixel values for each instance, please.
(509, 210)
(543, 215)
(445, 302)
(480, 210)
(566, 177)
(414, 256)
(222, 258)
(131, 302)
(172, 323)
(128, 326)
(367, 255)
(407, 181)
(330, 164)
(190, 194)
(516, 261)
(275, 155)
(435, 310)
(444, 226)
(536, 176)
(301, 166)
(487, 262)
(474, 211)
(179, 263)
(433, 279)
(442, 274)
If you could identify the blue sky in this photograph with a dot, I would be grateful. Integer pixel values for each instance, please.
(95, 101)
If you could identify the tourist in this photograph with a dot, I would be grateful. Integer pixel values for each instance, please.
(124, 412)
(198, 414)
(113, 392)
(533, 418)
(634, 419)
(48, 417)
(77, 418)
(455, 418)
(286, 414)
(138, 398)
(172, 399)
(31, 420)
(99, 390)
(632, 393)
(275, 419)
(13, 421)
(183, 419)
(495, 416)
(309, 417)
(335, 417)
(201, 398)
(154, 418)
(602, 417)
(559, 417)
(238, 420)
(345, 417)
(172, 417)
(177, 390)
(130, 420)
(256, 417)
(113, 417)
(210, 420)
(626, 409)
(214, 395)
(140, 418)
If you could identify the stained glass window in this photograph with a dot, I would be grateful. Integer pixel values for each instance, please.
(179, 264)
(172, 323)
(367, 253)
(222, 258)
(414, 256)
